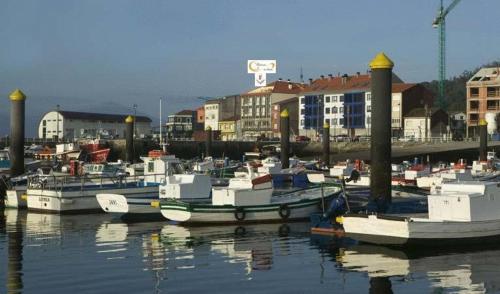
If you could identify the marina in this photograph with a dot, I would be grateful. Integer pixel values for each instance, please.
(137, 156)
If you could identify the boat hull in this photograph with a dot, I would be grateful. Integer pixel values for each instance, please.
(16, 198)
(403, 231)
(123, 206)
(83, 201)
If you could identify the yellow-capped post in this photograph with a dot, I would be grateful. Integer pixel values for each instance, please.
(326, 144)
(17, 119)
(285, 138)
(380, 166)
(129, 139)
(483, 140)
(208, 142)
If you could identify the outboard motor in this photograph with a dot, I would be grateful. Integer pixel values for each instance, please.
(355, 175)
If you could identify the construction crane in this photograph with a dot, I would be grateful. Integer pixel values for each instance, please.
(440, 23)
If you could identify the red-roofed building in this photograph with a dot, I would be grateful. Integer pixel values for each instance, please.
(344, 102)
(256, 107)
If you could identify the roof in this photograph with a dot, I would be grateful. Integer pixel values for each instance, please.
(486, 74)
(185, 112)
(283, 87)
(420, 112)
(101, 116)
(358, 82)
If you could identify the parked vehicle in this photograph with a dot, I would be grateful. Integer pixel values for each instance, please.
(302, 139)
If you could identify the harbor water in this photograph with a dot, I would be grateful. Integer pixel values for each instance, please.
(44, 253)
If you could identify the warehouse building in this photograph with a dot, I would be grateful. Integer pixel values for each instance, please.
(71, 125)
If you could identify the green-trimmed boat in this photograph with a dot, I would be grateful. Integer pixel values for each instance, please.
(249, 199)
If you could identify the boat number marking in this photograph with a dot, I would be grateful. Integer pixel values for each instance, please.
(112, 202)
(44, 199)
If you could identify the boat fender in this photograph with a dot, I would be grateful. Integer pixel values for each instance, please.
(239, 213)
(284, 211)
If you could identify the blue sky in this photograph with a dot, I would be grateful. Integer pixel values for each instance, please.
(137, 51)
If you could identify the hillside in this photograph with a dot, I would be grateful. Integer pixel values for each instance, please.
(455, 87)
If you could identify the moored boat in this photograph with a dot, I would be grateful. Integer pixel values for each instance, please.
(462, 212)
(248, 198)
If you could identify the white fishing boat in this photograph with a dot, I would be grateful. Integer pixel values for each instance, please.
(158, 166)
(462, 212)
(248, 198)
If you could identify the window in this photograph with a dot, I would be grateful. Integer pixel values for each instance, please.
(341, 98)
(327, 99)
(334, 122)
(151, 166)
(327, 121)
(341, 121)
(334, 109)
(327, 110)
(474, 92)
(334, 98)
(44, 123)
(368, 108)
(301, 122)
(368, 119)
(302, 111)
(368, 96)
(341, 109)
(302, 100)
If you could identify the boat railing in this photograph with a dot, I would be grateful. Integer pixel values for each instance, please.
(83, 182)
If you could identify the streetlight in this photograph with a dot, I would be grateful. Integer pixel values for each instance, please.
(135, 114)
(57, 123)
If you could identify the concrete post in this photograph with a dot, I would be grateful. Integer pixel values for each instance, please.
(380, 166)
(129, 139)
(483, 140)
(17, 114)
(326, 144)
(285, 138)
(208, 146)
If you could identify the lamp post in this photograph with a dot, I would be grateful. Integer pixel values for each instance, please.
(135, 121)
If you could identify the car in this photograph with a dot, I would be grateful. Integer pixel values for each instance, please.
(302, 139)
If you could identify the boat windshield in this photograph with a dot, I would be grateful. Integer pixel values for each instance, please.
(177, 168)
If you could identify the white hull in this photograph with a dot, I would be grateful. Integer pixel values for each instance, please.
(15, 199)
(121, 205)
(394, 230)
(77, 201)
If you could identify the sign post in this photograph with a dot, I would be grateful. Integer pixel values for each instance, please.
(260, 68)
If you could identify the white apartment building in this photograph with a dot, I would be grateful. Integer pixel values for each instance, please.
(212, 114)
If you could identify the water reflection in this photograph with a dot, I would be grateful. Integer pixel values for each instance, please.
(14, 232)
(473, 270)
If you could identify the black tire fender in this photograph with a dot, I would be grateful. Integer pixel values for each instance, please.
(284, 211)
(239, 213)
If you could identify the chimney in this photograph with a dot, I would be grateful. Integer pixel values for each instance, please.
(322, 77)
(310, 81)
(330, 76)
(280, 79)
(289, 84)
(344, 79)
(358, 74)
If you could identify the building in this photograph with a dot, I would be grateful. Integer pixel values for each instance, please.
(292, 106)
(221, 109)
(483, 95)
(416, 121)
(256, 107)
(228, 130)
(344, 102)
(71, 125)
(180, 125)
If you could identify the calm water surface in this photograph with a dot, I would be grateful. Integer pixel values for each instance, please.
(96, 254)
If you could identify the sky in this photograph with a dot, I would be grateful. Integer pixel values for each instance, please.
(83, 53)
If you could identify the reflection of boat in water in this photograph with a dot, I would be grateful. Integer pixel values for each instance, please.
(251, 245)
(472, 271)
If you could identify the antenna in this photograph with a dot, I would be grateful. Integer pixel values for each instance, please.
(301, 75)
